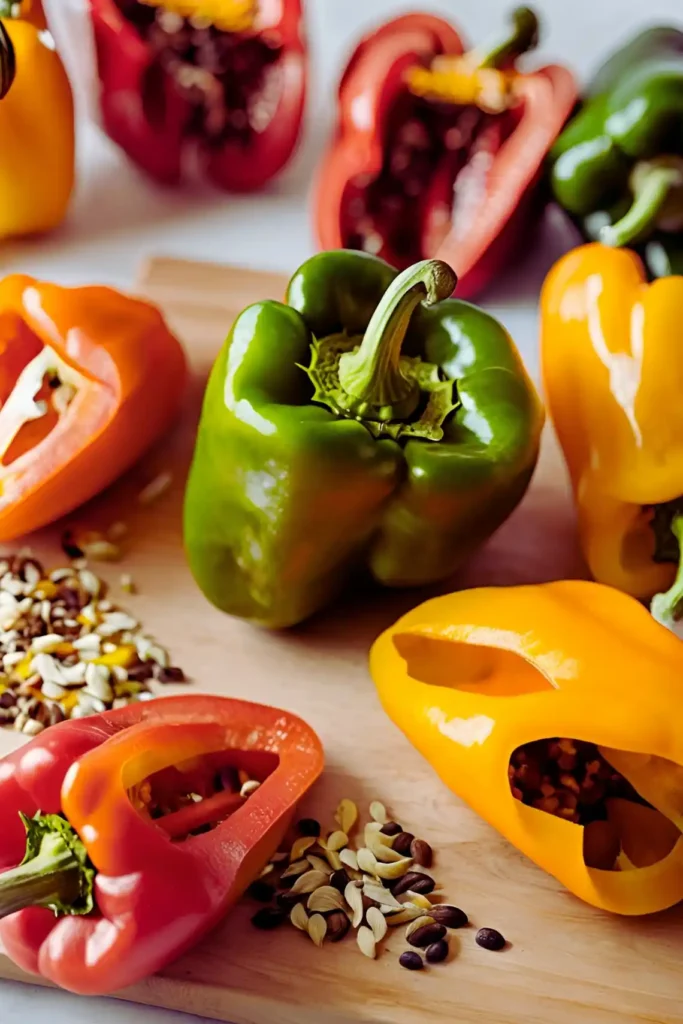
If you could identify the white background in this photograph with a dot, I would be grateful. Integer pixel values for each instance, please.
(118, 219)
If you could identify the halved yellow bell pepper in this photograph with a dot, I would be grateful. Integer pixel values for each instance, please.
(37, 151)
(473, 677)
(613, 376)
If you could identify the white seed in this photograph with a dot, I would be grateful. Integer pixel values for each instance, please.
(9, 661)
(333, 859)
(298, 867)
(378, 894)
(377, 922)
(378, 812)
(73, 675)
(366, 942)
(249, 787)
(97, 682)
(46, 611)
(354, 898)
(89, 613)
(46, 644)
(108, 647)
(337, 841)
(346, 815)
(318, 864)
(155, 488)
(20, 721)
(300, 846)
(267, 870)
(409, 913)
(89, 704)
(366, 861)
(88, 640)
(149, 651)
(32, 727)
(53, 691)
(349, 859)
(9, 636)
(90, 582)
(102, 551)
(418, 899)
(317, 929)
(299, 917)
(309, 882)
(326, 899)
(58, 575)
(48, 668)
(395, 870)
(115, 622)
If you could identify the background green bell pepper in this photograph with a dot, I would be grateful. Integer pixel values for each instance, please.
(617, 168)
(371, 420)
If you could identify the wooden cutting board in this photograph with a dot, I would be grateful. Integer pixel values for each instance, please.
(567, 963)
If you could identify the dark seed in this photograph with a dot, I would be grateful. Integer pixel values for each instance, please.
(286, 900)
(411, 961)
(7, 699)
(437, 952)
(452, 917)
(338, 925)
(414, 880)
(309, 827)
(260, 891)
(392, 828)
(421, 852)
(69, 546)
(427, 935)
(141, 673)
(339, 880)
(172, 674)
(268, 918)
(489, 938)
(402, 843)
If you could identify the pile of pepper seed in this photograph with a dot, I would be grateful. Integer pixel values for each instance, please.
(325, 887)
(66, 650)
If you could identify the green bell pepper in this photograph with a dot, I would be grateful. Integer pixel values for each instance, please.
(617, 168)
(371, 421)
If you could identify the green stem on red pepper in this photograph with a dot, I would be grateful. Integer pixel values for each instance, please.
(369, 379)
(522, 37)
(667, 608)
(657, 187)
(55, 872)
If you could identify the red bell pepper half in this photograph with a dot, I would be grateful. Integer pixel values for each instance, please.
(437, 152)
(177, 93)
(156, 890)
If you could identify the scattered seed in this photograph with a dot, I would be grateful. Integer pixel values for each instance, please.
(392, 828)
(405, 916)
(426, 934)
(333, 859)
(437, 952)
(260, 891)
(32, 727)
(155, 488)
(489, 938)
(378, 812)
(309, 882)
(403, 842)
(267, 870)
(452, 917)
(411, 961)
(366, 860)
(377, 922)
(422, 853)
(268, 918)
(318, 864)
(300, 846)
(337, 841)
(396, 870)
(339, 879)
(376, 892)
(418, 900)
(414, 880)
(346, 815)
(338, 925)
(326, 899)
(249, 787)
(366, 942)
(418, 922)
(309, 827)
(299, 917)
(299, 867)
(349, 859)
(317, 929)
(354, 898)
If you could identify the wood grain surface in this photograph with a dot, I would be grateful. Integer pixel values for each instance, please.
(567, 963)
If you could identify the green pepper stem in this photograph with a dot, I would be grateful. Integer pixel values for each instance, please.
(667, 608)
(52, 878)
(8, 64)
(521, 37)
(655, 185)
(372, 376)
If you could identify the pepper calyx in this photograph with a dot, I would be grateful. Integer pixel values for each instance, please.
(368, 379)
(667, 608)
(55, 872)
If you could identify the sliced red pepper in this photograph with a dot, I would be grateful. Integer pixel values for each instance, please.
(89, 379)
(144, 917)
(410, 178)
(231, 102)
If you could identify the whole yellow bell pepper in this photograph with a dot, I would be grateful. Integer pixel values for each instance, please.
(479, 679)
(613, 376)
(36, 124)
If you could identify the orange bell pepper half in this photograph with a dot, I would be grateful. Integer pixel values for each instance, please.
(89, 379)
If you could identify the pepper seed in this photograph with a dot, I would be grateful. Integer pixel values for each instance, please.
(411, 961)
(489, 938)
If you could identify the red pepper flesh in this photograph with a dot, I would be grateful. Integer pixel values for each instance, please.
(145, 918)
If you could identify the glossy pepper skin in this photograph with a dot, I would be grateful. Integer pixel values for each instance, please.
(617, 168)
(148, 111)
(289, 494)
(126, 372)
(144, 918)
(612, 380)
(473, 676)
(497, 161)
(37, 155)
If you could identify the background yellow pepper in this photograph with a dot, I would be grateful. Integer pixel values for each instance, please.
(473, 676)
(613, 375)
(36, 127)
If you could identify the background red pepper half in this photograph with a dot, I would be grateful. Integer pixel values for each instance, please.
(152, 99)
(154, 898)
(501, 155)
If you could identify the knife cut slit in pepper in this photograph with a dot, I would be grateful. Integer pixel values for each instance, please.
(437, 150)
(133, 835)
